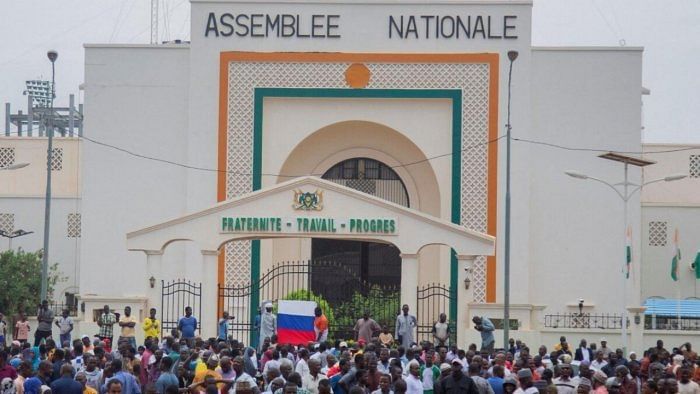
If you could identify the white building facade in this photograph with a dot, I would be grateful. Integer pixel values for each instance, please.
(267, 92)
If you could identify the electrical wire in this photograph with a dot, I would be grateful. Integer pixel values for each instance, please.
(552, 145)
(191, 167)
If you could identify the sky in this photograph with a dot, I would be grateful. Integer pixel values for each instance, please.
(668, 30)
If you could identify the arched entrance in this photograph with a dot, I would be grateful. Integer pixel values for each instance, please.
(370, 262)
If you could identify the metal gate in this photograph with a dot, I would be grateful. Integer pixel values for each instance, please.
(175, 296)
(432, 300)
(343, 303)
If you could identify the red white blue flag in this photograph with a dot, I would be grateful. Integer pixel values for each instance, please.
(295, 322)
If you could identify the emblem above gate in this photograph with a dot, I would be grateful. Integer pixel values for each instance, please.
(307, 201)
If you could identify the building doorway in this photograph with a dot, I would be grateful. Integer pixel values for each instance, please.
(372, 263)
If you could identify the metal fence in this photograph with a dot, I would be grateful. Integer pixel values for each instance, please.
(671, 323)
(175, 296)
(433, 299)
(584, 321)
(58, 307)
(347, 299)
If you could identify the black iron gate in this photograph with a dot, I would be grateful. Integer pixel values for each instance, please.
(344, 302)
(175, 296)
(432, 300)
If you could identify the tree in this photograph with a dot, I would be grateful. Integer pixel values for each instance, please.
(20, 281)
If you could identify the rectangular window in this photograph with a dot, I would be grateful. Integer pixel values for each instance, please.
(74, 226)
(56, 159)
(694, 166)
(7, 156)
(7, 222)
(658, 233)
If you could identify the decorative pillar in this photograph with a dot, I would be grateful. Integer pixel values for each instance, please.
(210, 281)
(409, 281)
(636, 315)
(464, 296)
(154, 262)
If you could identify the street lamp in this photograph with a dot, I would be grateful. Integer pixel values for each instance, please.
(512, 55)
(52, 55)
(16, 166)
(626, 194)
(12, 235)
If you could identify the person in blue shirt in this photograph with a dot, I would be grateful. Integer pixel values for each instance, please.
(496, 381)
(127, 380)
(65, 384)
(224, 325)
(484, 325)
(166, 377)
(187, 325)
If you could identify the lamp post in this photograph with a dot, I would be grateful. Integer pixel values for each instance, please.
(52, 55)
(512, 55)
(626, 194)
(12, 235)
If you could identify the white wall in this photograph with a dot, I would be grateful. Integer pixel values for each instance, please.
(135, 98)
(656, 260)
(586, 99)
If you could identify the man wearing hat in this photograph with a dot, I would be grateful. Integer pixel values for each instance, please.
(526, 385)
(457, 381)
(565, 383)
(268, 324)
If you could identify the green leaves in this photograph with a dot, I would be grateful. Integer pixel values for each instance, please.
(20, 281)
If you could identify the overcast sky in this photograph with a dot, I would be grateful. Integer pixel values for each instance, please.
(668, 30)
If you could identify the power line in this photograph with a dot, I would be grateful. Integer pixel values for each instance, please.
(191, 167)
(403, 165)
(569, 148)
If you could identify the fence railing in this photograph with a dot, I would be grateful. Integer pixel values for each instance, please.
(671, 323)
(58, 307)
(601, 321)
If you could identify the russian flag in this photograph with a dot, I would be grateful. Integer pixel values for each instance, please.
(295, 322)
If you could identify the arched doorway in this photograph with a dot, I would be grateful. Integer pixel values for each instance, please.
(370, 262)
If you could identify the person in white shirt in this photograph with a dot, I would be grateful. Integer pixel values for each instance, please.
(565, 383)
(65, 325)
(526, 385)
(685, 385)
(414, 385)
(302, 367)
(599, 362)
(310, 381)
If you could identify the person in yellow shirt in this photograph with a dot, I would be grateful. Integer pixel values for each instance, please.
(151, 326)
(81, 378)
(210, 371)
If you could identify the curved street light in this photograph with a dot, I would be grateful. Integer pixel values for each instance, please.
(625, 195)
(15, 166)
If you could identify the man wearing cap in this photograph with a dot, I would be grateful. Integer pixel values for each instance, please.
(564, 383)
(485, 327)
(526, 385)
(268, 324)
(457, 381)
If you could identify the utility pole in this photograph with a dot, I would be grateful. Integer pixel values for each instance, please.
(512, 55)
(52, 55)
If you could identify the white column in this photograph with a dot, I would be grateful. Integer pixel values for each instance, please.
(464, 296)
(210, 280)
(154, 262)
(409, 281)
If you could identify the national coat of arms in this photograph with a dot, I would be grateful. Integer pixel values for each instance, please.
(307, 201)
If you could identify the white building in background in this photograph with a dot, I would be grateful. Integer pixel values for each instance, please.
(22, 198)
(404, 101)
(667, 208)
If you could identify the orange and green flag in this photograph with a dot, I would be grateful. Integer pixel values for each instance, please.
(676, 260)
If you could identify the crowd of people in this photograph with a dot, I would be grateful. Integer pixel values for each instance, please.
(374, 362)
